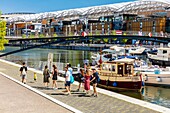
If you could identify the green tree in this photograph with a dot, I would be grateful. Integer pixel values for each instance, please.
(70, 34)
(124, 40)
(90, 34)
(24, 36)
(97, 32)
(2, 33)
(114, 33)
(106, 40)
(55, 35)
(41, 36)
(31, 36)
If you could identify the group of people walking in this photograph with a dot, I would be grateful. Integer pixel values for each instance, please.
(85, 78)
(47, 75)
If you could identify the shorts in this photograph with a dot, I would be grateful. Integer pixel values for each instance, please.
(23, 76)
(67, 83)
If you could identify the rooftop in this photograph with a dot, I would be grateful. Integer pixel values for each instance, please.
(96, 11)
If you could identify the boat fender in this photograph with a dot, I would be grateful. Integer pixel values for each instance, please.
(115, 84)
(157, 71)
(146, 77)
(158, 79)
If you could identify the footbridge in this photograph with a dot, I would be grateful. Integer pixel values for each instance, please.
(30, 43)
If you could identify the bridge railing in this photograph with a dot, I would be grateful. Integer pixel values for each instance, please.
(96, 32)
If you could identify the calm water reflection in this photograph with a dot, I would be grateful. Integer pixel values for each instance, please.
(156, 95)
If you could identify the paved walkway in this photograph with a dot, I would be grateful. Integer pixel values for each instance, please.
(78, 100)
(17, 99)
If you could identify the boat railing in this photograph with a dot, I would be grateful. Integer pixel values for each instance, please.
(115, 74)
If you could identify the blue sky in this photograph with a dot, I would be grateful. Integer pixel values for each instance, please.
(37, 6)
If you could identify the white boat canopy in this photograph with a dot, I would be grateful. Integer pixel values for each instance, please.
(124, 60)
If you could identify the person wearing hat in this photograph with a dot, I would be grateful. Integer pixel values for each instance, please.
(94, 82)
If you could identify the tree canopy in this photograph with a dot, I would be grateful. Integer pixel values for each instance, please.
(2, 33)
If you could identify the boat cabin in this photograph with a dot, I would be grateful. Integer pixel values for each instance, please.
(164, 52)
(120, 67)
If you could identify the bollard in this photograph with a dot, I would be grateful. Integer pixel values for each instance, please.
(35, 76)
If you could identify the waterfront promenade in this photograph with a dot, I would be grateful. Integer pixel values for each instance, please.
(17, 99)
(107, 102)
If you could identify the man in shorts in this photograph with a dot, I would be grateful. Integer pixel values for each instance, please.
(23, 73)
(94, 82)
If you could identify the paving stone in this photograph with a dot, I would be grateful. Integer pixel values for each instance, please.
(86, 104)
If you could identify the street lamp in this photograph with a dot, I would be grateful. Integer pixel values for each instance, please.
(102, 22)
(109, 21)
(86, 23)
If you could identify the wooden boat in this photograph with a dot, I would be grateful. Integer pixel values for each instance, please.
(120, 74)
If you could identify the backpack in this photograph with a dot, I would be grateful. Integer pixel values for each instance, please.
(71, 79)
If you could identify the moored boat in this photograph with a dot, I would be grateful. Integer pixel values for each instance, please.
(120, 74)
(155, 76)
(161, 58)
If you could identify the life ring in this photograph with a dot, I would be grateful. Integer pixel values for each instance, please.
(158, 79)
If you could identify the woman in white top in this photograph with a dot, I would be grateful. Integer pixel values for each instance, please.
(67, 80)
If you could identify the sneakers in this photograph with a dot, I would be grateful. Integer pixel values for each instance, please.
(92, 95)
(77, 90)
(55, 88)
(95, 95)
(69, 93)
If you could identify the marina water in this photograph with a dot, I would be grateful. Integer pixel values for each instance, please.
(35, 57)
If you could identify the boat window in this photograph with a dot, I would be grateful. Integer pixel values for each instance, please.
(164, 51)
(103, 67)
(113, 68)
(107, 67)
(128, 69)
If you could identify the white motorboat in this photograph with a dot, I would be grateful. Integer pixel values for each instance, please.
(116, 52)
(153, 75)
(104, 55)
(137, 50)
(161, 58)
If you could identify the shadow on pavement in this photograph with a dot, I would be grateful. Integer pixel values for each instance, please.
(41, 88)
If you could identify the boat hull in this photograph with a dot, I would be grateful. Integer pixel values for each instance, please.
(159, 62)
(122, 83)
(151, 79)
